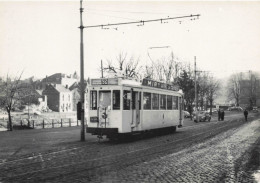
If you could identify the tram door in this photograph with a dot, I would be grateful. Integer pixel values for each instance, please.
(180, 110)
(136, 96)
(137, 106)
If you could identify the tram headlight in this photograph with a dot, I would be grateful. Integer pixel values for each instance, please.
(104, 115)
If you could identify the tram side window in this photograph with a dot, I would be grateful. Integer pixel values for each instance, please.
(93, 100)
(155, 101)
(169, 102)
(174, 102)
(116, 100)
(126, 99)
(162, 101)
(147, 100)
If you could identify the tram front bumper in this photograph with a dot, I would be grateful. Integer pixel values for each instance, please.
(101, 131)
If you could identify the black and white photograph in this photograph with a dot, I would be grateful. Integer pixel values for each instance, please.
(129, 91)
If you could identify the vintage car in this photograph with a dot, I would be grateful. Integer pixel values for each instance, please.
(255, 109)
(202, 116)
(186, 114)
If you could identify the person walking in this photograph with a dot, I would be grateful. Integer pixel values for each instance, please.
(222, 115)
(245, 114)
(219, 115)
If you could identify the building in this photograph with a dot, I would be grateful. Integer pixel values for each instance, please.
(249, 92)
(59, 98)
(75, 89)
(58, 78)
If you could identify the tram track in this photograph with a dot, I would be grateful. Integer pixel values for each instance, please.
(68, 150)
(110, 160)
(78, 147)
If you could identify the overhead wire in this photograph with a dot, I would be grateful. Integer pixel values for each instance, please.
(112, 16)
(133, 12)
(143, 21)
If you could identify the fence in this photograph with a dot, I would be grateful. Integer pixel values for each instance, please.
(39, 123)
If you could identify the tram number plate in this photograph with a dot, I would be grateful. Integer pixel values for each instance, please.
(94, 119)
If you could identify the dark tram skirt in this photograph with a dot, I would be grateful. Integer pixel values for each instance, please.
(102, 131)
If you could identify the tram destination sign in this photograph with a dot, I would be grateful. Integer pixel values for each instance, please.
(156, 84)
(104, 81)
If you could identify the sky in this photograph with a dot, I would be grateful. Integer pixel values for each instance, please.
(41, 38)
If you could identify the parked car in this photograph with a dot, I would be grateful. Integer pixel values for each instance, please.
(202, 116)
(255, 109)
(235, 109)
(214, 110)
(186, 114)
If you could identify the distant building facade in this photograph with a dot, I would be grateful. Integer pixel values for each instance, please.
(59, 98)
(249, 92)
(75, 90)
(58, 78)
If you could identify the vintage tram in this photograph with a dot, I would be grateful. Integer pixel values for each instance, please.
(121, 106)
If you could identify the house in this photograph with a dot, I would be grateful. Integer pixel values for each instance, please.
(75, 89)
(58, 78)
(59, 98)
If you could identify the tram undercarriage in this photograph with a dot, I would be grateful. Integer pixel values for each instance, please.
(112, 133)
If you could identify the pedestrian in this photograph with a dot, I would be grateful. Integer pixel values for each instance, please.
(245, 114)
(219, 115)
(222, 115)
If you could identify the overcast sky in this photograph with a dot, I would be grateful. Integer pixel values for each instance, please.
(42, 38)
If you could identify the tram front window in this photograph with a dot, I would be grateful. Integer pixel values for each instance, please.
(93, 100)
(105, 99)
(116, 100)
(126, 100)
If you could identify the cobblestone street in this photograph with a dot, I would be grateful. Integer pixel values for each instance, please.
(216, 151)
(216, 160)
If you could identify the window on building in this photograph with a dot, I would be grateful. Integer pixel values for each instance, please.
(69, 97)
(126, 99)
(169, 102)
(116, 100)
(155, 101)
(147, 100)
(163, 102)
(174, 102)
(63, 97)
(93, 100)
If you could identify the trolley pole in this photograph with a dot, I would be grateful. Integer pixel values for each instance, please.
(101, 69)
(82, 90)
(196, 95)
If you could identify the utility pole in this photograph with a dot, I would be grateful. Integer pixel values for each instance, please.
(82, 90)
(28, 103)
(101, 68)
(196, 95)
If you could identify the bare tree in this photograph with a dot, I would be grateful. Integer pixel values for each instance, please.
(253, 88)
(128, 67)
(211, 94)
(234, 89)
(9, 96)
(164, 69)
(203, 87)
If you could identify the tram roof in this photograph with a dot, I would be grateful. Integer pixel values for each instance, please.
(128, 82)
